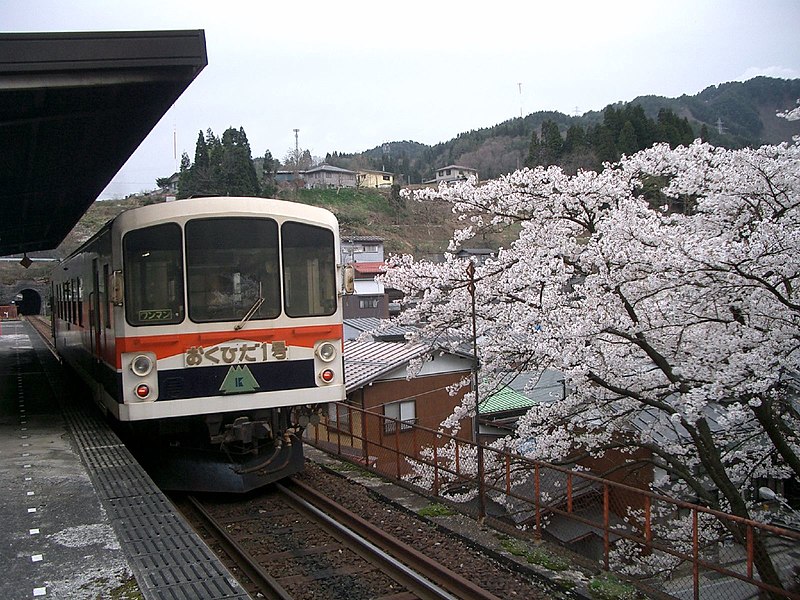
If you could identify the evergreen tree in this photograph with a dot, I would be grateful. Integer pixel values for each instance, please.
(627, 143)
(222, 167)
(603, 144)
(552, 143)
(534, 151)
(575, 140)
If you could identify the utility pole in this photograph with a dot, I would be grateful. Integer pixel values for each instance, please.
(475, 380)
(296, 177)
(520, 99)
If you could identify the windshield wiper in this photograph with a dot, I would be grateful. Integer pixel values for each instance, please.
(249, 314)
(253, 309)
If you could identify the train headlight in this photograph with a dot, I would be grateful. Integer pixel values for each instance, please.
(326, 352)
(142, 365)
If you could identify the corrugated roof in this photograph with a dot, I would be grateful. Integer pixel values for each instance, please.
(506, 400)
(364, 362)
(380, 327)
(361, 238)
(330, 168)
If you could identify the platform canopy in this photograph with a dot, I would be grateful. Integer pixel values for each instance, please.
(73, 108)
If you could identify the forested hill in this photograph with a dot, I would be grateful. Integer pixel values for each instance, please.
(732, 115)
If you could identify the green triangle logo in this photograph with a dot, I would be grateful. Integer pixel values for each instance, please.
(239, 379)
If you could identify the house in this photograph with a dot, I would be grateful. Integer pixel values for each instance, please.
(369, 298)
(479, 255)
(379, 329)
(288, 176)
(501, 410)
(361, 248)
(375, 179)
(377, 381)
(327, 176)
(170, 186)
(455, 173)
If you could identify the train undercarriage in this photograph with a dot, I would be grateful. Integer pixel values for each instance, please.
(224, 453)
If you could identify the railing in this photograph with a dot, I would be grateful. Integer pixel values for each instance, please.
(668, 547)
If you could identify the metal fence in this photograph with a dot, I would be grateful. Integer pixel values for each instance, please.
(669, 548)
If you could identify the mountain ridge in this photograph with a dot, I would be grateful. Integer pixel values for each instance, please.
(732, 114)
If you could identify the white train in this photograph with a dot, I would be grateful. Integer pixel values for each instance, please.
(211, 328)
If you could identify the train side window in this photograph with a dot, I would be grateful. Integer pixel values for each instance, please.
(79, 302)
(309, 270)
(231, 264)
(73, 302)
(153, 267)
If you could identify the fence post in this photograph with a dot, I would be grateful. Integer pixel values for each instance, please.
(397, 446)
(569, 492)
(365, 439)
(338, 431)
(750, 551)
(536, 490)
(606, 526)
(508, 473)
(695, 555)
(435, 467)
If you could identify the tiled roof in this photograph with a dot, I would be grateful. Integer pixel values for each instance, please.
(369, 268)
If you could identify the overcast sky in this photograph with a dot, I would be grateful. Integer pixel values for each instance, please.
(351, 75)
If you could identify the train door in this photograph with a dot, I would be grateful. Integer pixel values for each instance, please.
(95, 314)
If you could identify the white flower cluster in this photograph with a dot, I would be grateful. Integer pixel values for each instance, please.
(664, 288)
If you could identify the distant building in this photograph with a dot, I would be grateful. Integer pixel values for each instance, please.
(327, 176)
(369, 299)
(362, 248)
(287, 176)
(455, 173)
(480, 255)
(170, 187)
(375, 179)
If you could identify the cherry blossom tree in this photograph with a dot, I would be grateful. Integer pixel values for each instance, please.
(664, 288)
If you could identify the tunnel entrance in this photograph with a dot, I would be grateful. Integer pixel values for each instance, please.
(29, 302)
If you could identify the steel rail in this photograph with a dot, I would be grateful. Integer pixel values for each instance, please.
(266, 584)
(420, 574)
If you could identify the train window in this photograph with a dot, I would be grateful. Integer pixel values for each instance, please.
(79, 302)
(232, 264)
(309, 270)
(154, 275)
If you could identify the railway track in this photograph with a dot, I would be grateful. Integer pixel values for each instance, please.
(306, 551)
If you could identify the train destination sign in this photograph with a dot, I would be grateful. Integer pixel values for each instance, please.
(235, 353)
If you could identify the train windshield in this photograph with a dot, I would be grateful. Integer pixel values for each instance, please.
(154, 273)
(232, 263)
(309, 270)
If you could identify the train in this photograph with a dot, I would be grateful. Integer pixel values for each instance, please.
(210, 331)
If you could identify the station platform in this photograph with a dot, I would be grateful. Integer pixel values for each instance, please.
(80, 518)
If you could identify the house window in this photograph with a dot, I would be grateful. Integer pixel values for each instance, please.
(372, 249)
(368, 302)
(338, 416)
(386, 178)
(404, 411)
